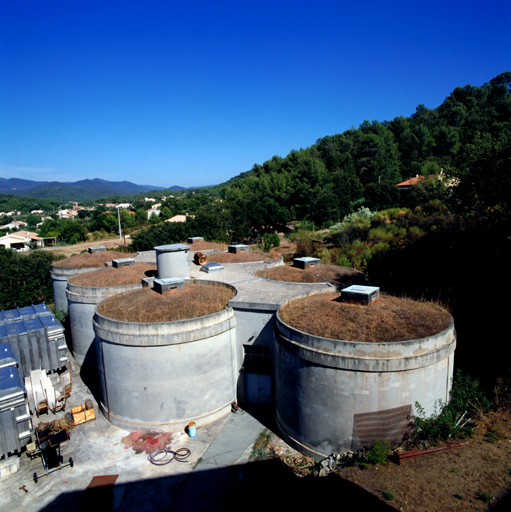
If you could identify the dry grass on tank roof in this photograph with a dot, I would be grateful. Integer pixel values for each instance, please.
(96, 259)
(146, 305)
(243, 257)
(208, 246)
(111, 276)
(338, 276)
(387, 319)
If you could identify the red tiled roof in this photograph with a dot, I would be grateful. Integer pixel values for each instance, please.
(414, 181)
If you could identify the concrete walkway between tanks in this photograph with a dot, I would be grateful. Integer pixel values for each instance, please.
(211, 484)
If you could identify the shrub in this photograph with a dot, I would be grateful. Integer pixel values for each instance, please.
(324, 255)
(377, 235)
(415, 233)
(270, 240)
(379, 453)
(388, 495)
(361, 213)
(450, 420)
(344, 261)
(304, 243)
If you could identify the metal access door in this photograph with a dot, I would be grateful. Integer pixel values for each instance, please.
(257, 388)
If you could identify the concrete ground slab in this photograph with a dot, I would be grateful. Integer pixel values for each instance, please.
(97, 449)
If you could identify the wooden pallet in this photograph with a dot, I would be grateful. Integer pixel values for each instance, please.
(81, 414)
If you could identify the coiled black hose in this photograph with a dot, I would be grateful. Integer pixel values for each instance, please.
(180, 455)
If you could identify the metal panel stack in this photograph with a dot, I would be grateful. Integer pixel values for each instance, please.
(15, 422)
(36, 336)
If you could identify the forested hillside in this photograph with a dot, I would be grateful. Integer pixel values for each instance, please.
(466, 136)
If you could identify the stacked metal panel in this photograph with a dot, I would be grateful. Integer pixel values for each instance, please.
(36, 336)
(15, 422)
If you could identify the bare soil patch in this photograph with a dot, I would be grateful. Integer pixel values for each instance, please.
(243, 257)
(384, 320)
(333, 274)
(97, 259)
(146, 305)
(459, 479)
(111, 276)
(453, 480)
(71, 250)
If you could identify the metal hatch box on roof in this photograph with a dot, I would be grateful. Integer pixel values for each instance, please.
(123, 262)
(100, 248)
(212, 267)
(306, 262)
(361, 294)
(15, 422)
(170, 283)
(235, 249)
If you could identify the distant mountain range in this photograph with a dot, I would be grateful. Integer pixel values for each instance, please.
(84, 190)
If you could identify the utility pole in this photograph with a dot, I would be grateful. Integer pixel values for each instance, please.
(119, 217)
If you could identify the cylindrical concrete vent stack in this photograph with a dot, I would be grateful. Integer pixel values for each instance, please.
(156, 373)
(86, 291)
(172, 261)
(333, 396)
(62, 271)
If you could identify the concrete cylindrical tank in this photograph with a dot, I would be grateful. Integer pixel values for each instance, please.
(63, 270)
(86, 291)
(164, 374)
(333, 396)
(172, 261)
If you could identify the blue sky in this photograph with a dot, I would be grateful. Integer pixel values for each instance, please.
(193, 93)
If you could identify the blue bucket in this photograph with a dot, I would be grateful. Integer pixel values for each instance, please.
(192, 432)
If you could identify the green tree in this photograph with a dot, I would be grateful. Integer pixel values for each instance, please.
(482, 177)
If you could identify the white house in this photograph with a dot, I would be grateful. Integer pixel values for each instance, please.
(20, 240)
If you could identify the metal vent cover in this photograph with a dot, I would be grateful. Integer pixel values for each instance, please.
(212, 267)
(361, 294)
(235, 249)
(100, 248)
(165, 285)
(123, 262)
(306, 262)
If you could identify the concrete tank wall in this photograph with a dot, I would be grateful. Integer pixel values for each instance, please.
(82, 301)
(59, 279)
(166, 374)
(334, 396)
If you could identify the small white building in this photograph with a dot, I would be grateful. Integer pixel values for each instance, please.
(20, 240)
(17, 224)
(152, 211)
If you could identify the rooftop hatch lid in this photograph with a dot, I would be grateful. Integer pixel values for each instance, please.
(100, 248)
(170, 283)
(212, 267)
(123, 262)
(360, 293)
